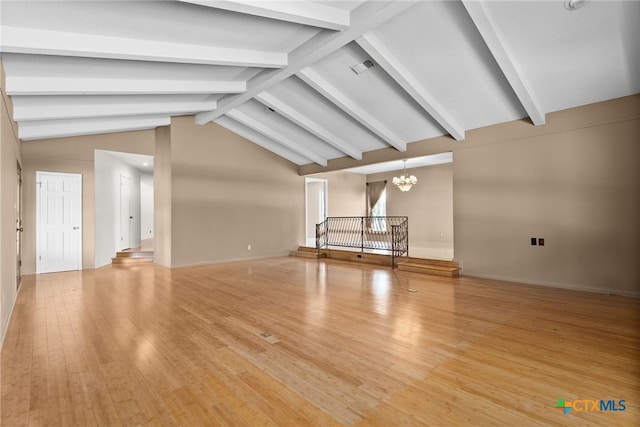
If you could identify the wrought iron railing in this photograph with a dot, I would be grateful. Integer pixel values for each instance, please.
(379, 233)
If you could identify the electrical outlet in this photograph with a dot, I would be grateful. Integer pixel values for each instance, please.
(540, 241)
(248, 247)
(533, 241)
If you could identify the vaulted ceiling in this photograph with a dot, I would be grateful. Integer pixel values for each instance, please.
(280, 73)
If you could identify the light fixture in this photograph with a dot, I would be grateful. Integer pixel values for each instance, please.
(574, 4)
(405, 181)
(145, 164)
(362, 67)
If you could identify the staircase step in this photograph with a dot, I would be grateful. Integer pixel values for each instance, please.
(434, 270)
(132, 257)
(134, 254)
(132, 260)
(307, 249)
(308, 254)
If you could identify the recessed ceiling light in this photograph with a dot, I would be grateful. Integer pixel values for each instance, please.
(145, 164)
(361, 68)
(574, 4)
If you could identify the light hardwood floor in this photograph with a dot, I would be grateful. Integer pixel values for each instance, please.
(349, 345)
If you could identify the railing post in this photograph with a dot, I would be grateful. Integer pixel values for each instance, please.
(393, 246)
(361, 234)
(407, 238)
(318, 238)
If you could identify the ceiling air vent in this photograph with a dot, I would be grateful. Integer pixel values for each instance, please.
(361, 68)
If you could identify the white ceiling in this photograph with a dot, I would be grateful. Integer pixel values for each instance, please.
(141, 162)
(278, 73)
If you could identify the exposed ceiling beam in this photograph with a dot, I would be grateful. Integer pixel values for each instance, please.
(45, 42)
(499, 48)
(299, 12)
(258, 126)
(28, 108)
(101, 86)
(309, 125)
(261, 140)
(392, 65)
(64, 128)
(364, 18)
(334, 95)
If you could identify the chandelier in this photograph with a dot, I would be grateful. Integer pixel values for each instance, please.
(405, 181)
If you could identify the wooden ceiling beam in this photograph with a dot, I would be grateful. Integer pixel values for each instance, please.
(499, 48)
(298, 12)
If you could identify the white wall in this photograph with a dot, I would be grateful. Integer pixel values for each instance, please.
(313, 206)
(108, 170)
(146, 206)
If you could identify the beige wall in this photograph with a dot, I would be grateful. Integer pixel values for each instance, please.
(312, 206)
(429, 204)
(573, 181)
(579, 189)
(10, 155)
(228, 193)
(346, 193)
(162, 197)
(72, 155)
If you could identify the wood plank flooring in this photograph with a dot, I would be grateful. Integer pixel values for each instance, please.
(348, 345)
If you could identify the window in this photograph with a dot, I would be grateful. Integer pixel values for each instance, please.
(380, 209)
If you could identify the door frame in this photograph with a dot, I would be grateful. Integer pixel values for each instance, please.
(325, 189)
(38, 219)
(19, 228)
(129, 243)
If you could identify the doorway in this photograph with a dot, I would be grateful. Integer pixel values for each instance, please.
(316, 206)
(19, 228)
(58, 222)
(125, 212)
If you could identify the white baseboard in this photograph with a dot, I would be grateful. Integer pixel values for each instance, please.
(6, 327)
(222, 261)
(570, 286)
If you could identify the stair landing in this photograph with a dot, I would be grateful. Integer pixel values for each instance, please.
(417, 265)
(307, 252)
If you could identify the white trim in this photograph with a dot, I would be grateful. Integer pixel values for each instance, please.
(223, 261)
(6, 328)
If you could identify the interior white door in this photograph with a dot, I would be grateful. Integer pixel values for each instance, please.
(125, 212)
(59, 220)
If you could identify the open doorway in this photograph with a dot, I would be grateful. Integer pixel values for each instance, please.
(126, 211)
(123, 204)
(316, 206)
(428, 204)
